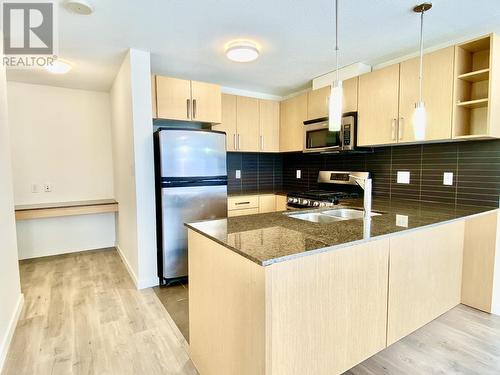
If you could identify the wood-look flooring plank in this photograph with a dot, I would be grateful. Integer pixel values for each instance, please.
(83, 315)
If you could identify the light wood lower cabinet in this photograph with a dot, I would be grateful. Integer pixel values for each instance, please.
(481, 263)
(281, 201)
(425, 277)
(252, 204)
(293, 112)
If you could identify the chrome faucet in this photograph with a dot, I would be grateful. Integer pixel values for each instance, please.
(366, 184)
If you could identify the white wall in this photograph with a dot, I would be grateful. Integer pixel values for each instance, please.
(62, 137)
(10, 289)
(132, 131)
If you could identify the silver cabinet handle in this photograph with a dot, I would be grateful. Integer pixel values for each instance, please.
(394, 137)
(401, 127)
(188, 108)
(235, 145)
(239, 142)
(240, 203)
(194, 108)
(262, 142)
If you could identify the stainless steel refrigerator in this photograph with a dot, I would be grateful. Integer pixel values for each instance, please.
(191, 185)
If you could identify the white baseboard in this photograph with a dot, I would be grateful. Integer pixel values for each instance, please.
(4, 348)
(127, 266)
(148, 283)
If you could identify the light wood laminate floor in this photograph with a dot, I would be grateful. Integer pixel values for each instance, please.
(83, 315)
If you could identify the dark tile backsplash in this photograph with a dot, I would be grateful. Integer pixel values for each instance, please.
(475, 166)
(260, 173)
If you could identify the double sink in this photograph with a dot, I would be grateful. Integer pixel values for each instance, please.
(331, 216)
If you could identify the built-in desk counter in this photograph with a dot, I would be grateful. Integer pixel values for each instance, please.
(46, 210)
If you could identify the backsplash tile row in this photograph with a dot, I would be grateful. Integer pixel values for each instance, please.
(260, 172)
(475, 166)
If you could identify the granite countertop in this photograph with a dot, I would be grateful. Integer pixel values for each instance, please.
(274, 237)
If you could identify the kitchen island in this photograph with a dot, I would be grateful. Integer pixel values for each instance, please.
(273, 294)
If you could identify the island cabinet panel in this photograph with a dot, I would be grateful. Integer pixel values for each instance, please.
(327, 312)
(378, 98)
(226, 310)
(480, 256)
(425, 277)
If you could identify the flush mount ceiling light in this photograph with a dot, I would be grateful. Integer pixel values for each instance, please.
(79, 6)
(242, 51)
(420, 114)
(58, 67)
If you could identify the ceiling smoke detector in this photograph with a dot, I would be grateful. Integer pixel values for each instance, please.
(79, 7)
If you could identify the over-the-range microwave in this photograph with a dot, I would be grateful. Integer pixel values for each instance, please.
(317, 137)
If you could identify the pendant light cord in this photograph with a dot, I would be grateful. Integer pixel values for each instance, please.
(337, 38)
(421, 73)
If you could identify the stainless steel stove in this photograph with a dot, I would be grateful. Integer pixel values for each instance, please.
(339, 186)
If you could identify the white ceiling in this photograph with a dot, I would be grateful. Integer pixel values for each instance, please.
(186, 38)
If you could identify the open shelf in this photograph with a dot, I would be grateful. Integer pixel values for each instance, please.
(476, 76)
(472, 88)
(477, 103)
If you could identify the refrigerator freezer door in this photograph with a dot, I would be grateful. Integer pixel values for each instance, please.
(192, 153)
(183, 205)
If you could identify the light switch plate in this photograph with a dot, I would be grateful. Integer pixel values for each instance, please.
(403, 177)
(402, 221)
(238, 174)
(298, 173)
(448, 178)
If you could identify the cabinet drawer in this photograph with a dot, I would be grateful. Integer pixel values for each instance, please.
(246, 211)
(243, 202)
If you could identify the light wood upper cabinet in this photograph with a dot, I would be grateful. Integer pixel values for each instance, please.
(378, 99)
(269, 118)
(179, 99)
(206, 99)
(317, 103)
(437, 94)
(173, 98)
(228, 124)
(247, 123)
(293, 112)
(317, 100)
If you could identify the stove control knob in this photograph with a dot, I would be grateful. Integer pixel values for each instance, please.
(322, 204)
(295, 200)
(290, 200)
(316, 204)
(305, 202)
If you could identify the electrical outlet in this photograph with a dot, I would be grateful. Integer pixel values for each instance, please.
(47, 188)
(238, 174)
(448, 178)
(402, 221)
(298, 174)
(403, 177)
(35, 188)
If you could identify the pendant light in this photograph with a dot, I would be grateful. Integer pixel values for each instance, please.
(420, 114)
(336, 94)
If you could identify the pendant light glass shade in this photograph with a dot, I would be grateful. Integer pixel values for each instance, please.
(335, 107)
(419, 121)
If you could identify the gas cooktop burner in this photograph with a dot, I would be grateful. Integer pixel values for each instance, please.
(318, 198)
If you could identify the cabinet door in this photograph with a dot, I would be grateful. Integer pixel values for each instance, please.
(269, 118)
(317, 103)
(267, 203)
(206, 102)
(228, 124)
(281, 201)
(425, 277)
(293, 112)
(437, 93)
(350, 102)
(247, 123)
(173, 98)
(378, 106)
